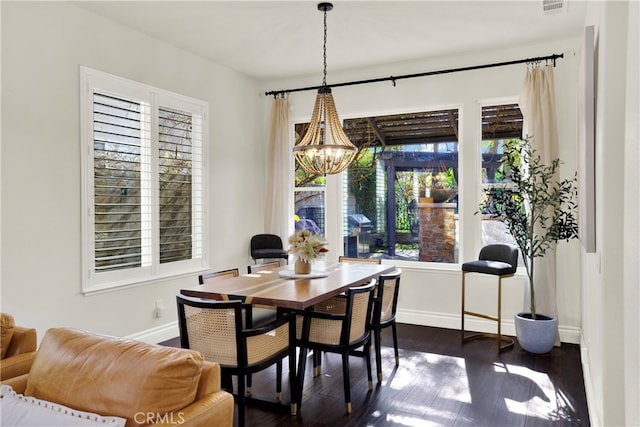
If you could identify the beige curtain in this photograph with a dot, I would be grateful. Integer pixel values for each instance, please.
(537, 102)
(279, 188)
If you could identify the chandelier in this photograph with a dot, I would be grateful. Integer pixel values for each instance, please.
(325, 149)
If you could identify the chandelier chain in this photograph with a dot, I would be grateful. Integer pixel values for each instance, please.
(324, 50)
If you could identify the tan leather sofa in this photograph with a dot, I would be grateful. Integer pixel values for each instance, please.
(144, 383)
(18, 348)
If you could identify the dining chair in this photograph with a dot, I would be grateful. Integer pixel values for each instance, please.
(385, 303)
(214, 328)
(342, 258)
(499, 260)
(204, 277)
(255, 268)
(267, 246)
(339, 330)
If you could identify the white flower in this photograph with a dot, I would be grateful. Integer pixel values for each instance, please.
(306, 245)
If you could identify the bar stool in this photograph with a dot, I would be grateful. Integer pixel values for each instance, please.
(497, 260)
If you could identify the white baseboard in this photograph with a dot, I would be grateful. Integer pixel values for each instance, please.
(588, 384)
(158, 334)
(568, 334)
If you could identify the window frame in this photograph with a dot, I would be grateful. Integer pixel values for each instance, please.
(92, 80)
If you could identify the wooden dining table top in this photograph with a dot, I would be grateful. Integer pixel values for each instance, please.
(269, 288)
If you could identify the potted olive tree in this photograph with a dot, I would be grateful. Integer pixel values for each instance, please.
(538, 210)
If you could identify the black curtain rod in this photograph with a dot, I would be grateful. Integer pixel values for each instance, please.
(428, 73)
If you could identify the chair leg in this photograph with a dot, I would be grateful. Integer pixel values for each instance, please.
(347, 383)
(367, 355)
(302, 364)
(504, 342)
(376, 343)
(395, 342)
(293, 385)
(241, 400)
(226, 382)
(315, 362)
(278, 379)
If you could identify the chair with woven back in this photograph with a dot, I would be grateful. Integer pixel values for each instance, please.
(215, 329)
(339, 330)
(257, 268)
(214, 275)
(343, 258)
(384, 314)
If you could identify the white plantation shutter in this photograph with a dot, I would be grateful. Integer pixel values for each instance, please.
(143, 182)
(121, 209)
(179, 197)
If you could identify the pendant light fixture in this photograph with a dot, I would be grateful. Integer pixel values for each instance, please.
(325, 149)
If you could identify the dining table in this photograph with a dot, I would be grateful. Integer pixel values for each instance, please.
(282, 288)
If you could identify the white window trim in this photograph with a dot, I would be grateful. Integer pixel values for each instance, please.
(151, 271)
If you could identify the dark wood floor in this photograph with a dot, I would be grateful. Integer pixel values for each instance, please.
(439, 382)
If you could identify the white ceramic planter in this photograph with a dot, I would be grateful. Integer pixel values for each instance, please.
(536, 336)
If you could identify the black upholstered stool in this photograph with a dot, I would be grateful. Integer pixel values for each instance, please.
(497, 260)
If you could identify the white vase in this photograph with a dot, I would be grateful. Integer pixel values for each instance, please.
(536, 336)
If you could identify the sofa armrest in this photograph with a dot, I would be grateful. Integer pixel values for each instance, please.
(18, 384)
(215, 409)
(16, 365)
(24, 340)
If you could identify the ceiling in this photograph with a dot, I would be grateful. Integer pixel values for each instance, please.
(280, 39)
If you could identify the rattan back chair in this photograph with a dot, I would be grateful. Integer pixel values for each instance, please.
(256, 268)
(366, 260)
(214, 328)
(384, 314)
(214, 275)
(339, 330)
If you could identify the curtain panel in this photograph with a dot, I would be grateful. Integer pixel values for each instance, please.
(278, 217)
(537, 102)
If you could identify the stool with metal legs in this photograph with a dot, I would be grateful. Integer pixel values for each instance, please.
(499, 260)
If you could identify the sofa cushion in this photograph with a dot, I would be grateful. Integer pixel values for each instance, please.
(114, 376)
(6, 332)
(19, 410)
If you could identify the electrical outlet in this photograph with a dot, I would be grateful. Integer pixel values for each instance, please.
(160, 309)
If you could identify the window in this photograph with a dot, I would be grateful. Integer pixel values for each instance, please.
(309, 195)
(401, 191)
(499, 123)
(143, 192)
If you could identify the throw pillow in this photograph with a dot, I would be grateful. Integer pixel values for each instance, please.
(19, 410)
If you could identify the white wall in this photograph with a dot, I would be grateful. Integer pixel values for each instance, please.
(43, 45)
(432, 296)
(610, 307)
(632, 222)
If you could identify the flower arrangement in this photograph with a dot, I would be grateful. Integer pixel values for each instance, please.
(307, 246)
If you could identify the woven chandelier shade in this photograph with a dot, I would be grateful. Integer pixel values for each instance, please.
(325, 149)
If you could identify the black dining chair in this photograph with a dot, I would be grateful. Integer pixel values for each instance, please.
(384, 314)
(340, 330)
(267, 246)
(215, 329)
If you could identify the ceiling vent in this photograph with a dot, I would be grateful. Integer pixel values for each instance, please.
(554, 7)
